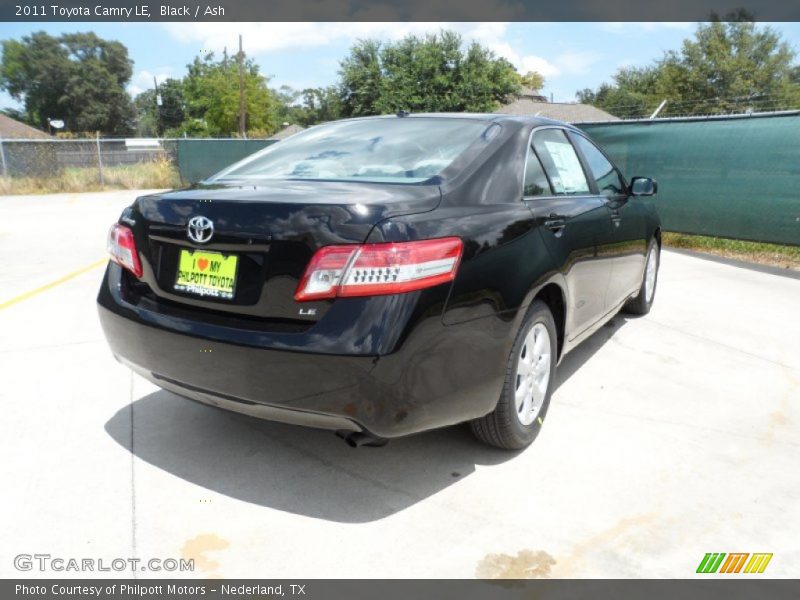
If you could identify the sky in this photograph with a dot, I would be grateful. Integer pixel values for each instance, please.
(571, 56)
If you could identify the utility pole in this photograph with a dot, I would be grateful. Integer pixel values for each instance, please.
(100, 160)
(242, 132)
(3, 159)
(158, 107)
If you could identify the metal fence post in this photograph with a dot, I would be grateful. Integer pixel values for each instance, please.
(3, 158)
(99, 160)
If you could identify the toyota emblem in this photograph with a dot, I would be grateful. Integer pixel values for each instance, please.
(200, 229)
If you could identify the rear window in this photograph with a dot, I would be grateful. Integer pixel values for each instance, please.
(392, 150)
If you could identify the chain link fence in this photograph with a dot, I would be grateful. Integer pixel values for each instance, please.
(41, 166)
(79, 165)
(31, 158)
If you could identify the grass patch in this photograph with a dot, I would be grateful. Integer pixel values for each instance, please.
(778, 255)
(157, 174)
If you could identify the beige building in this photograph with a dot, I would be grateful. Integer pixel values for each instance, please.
(287, 131)
(13, 129)
(531, 104)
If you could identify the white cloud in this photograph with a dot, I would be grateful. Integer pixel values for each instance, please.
(540, 65)
(143, 80)
(577, 63)
(643, 27)
(494, 39)
(264, 38)
(565, 63)
(259, 38)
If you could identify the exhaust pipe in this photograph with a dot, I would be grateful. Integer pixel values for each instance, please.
(356, 439)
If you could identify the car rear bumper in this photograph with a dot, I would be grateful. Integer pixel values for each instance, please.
(246, 407)
(438, 375)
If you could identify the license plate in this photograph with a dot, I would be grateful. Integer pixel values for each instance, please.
(207, 273)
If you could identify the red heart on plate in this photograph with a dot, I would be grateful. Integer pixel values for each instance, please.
(202, 263)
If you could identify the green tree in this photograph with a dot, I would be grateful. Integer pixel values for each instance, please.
(532, 80)
(728, 66)
(211, 90)
(308, 106)
(362, 79)
(320, 105)
(633, 94)
(77, 77)
(430, 73)
(155, 120)
(288, 109)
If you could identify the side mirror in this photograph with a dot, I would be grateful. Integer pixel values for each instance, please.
(643, 186)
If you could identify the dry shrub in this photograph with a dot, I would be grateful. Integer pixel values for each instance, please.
(156, 174)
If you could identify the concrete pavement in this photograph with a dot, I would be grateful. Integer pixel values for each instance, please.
(669, 436)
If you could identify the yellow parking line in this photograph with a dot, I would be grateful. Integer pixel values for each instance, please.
(52, 284)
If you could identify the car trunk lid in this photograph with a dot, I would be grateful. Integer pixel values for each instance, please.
(272, 230)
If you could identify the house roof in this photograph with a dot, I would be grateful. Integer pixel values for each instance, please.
(560, 111)
(11, 128)
(286, 132)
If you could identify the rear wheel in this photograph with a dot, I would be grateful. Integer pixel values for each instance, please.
(641, 303)
(530, 373)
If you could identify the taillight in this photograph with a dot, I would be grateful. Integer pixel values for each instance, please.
(379, 269)
(122, 248)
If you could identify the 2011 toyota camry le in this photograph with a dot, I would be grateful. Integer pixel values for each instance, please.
(384, 276)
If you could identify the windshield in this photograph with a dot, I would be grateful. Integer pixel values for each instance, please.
(399, 150)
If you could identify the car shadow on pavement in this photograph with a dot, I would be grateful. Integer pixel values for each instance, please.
(295, 469)
(308, 471)
(586, 349)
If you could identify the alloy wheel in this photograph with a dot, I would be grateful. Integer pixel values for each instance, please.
(650, 275)
(533, 374)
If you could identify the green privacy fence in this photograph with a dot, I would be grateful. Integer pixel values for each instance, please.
(728, 177)
(200, 158)
(735, 177)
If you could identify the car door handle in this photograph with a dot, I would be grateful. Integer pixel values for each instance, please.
(556, 225)
(616, 219)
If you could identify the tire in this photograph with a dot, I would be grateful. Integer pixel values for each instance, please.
(640, 304)
(508, 427)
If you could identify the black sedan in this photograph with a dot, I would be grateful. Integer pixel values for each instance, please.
(384, 276)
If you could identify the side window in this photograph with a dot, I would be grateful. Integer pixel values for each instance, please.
(560, 162)
(607, 177)
(536, 183)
